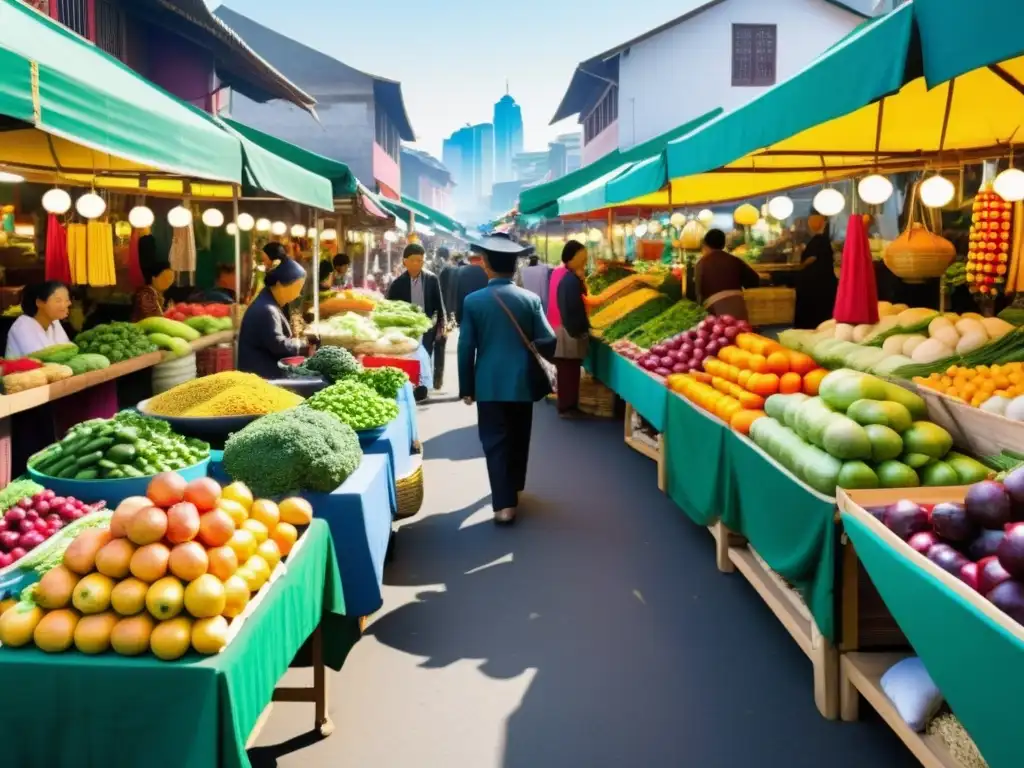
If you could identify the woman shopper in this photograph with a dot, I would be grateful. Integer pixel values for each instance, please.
(498, 370)
(573, 334)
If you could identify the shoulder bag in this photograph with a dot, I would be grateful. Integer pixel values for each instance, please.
(542, 375)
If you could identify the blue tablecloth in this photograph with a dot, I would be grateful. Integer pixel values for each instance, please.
(359, 514)
(407, 402)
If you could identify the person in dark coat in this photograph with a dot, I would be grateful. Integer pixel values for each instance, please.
(448, 277)
(472, 277)
(573, 335)
(721, 278)
(265, 336)
(421, 287)
(816, 283)
(495, 370)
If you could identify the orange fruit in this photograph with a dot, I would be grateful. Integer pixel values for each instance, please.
(239, 493)
(149, 563)
(812, 381)
(258, 529)
(790, 383)
(266, 512)
(741, 421)
(758, 364)
(778, 363)
(188, 561)
(235, 510)
(285, 535)
(216, 528)
(223, 562)
(244, 544)
(236, 593)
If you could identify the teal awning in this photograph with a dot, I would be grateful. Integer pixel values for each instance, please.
(639, 179)
(343, 183)
(55, 81)
(589, 197)
(442, 219)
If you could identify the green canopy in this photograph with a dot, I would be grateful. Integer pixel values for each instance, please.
(343, 183)
(57, 82)
(400, 210)
(435, 216)
(589, 197)
(639, 179)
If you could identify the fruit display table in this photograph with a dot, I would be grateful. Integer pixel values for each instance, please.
(209, 706)
(359, 516)
(972, 650)
(407, 402)
(645, 393)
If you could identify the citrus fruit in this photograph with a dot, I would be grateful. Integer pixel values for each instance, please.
(236, 594)
(266, 512)
(124, 512)
(205, 597)
(149, 563)
(296, 510)
(188, 561)
(223, 562)
(171, 639)
(54, 590)
(92, 593)
(182, 522)
(165, 598)
(238, 492)
(80, 556)
(215, 528)
(210, 635)
(270, 552)
(285, 536)
(129, 597)
(114, 558)
(250, 577)
(18, 623)
(130, 636)
(55, 632)
(166, 489)
(147, 526)
(92, 633)
(258, 529)
(204, 492)
(236, 511)
(260, 567)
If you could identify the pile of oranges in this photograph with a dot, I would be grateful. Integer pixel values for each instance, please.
(976, 385)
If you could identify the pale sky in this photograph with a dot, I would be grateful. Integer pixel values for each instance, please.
(453, 56)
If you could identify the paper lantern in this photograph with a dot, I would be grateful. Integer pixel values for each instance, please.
(141, 217)
(829, 202)
(874, 189)
(780, 208)
(231, 228)
(262, 225)
(179, 217)
(654, 226)
(936, 191)
(90, 206)
(245, 222)
(677, 220)
(706, 216)
(298, 230)
(692, 236)
(746, 215)
(329, 235)
(123, 229)
(641, 230)
(278, 228)
(1009, 185)
(213, 218)
(57, 201)
(618, 230)
(595, 235)
(6, 177)
(311, 233)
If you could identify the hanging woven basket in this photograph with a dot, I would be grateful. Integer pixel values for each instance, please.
(918, 254)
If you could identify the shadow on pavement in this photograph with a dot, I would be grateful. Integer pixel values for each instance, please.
(460, 444)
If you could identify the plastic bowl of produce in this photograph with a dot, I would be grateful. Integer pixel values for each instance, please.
(208, 428)
(370, 436)
(111, 490)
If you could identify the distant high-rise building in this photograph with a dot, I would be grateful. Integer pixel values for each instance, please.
(508, 135)
(573, 150)
(469, 155)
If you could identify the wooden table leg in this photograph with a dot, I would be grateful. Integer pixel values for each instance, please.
(320, 692)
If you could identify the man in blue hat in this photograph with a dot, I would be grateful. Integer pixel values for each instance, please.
(502, 326)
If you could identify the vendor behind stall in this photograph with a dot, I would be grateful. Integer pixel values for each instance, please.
(816, 283)
(43, 307)
(265, 336)
(721, 278)
(149, 299)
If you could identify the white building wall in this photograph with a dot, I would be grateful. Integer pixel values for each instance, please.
(686, 71)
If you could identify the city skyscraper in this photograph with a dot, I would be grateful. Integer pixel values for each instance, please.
(508, 135)
(469, 155)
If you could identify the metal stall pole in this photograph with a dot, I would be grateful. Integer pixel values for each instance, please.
(238, 270)
(316, 261)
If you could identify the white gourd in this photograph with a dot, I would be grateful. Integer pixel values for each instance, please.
(940, 328)
(894, 344)
(996, 328)
(970, 342)
(828, 325)
(969, 325)
(912, 343)
(971, 316)
(1015, 410)
(861, 332)
(996, 404)
(844, 332)
(930, 351)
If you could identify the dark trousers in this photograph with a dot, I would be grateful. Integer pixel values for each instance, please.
(505, 435)
(568, 378)
(440, 345)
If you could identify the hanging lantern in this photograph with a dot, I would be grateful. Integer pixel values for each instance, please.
(311, 233)
(298, 230)
(780, 208)
(618, 230)
(829, 202)
(57, 201)
(262, 225)
(391, 236)
(640, 230)
(278, 228)
(1009, 185)
(213, 218)
(677, 220)
(90, 206)
(706, 216)
(329, 235)
(746, 215)
(936, 191)
(874, 189)
(245, 222)
(6, 177)
(653, 227)
(231, 228)
(123, 229)
(179, 217)
(692, 236)
(595, 235)
(141, 217)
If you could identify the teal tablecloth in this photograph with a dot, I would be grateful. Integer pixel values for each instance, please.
(647, 395)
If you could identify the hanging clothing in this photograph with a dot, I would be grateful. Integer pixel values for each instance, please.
(182, 255)
(57, 266)
(857, 295)
(816, 284)
(27, 336)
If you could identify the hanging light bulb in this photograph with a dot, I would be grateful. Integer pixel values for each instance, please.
(391, 236)
(213, 218)
(6, 177)
(654, 226)
(179, 217)
(56, 201)
(298, 230)
(231, 228)
(262, 225)
(278, 228)
(936, 191)
(245, 222)
(874, 189)
(780, 208)
(677, 220)
(618, 230)
(1009, 185)
(329, 235)
(90, 206)
(595, 235)
(641, 230)
(311, 233)
(829, 202)
(706, 216)
(141, 217)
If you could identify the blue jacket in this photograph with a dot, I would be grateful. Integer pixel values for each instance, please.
(265, 337)
(493, 361)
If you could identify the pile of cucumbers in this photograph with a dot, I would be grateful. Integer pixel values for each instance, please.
(126, 446)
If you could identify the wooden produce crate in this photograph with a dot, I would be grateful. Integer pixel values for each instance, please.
(641, 443)
(976, 431)
(770, 306)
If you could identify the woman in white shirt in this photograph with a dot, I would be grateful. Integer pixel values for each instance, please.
(43, 307)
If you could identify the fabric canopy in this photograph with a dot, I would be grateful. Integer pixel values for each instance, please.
(101, 116)
(343, 183)
(434, 215)
(825, 124)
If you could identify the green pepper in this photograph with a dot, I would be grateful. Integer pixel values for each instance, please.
(87, 474)
(89, 459)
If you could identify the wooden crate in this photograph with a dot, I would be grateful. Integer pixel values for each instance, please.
(770, 306)
(976, 431)
(652, 449)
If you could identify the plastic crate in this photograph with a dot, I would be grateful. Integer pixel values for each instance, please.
(215, 360)
(410, 365)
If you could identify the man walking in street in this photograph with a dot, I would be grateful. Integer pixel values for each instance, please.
(421, 287)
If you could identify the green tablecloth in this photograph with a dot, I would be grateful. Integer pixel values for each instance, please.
(790, 526)
(646, 394)
(976, 663)
(697, 472)
(75, 710)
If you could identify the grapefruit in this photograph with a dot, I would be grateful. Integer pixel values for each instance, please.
(147, 526)
(223, 562)
(17, 624)
(244, 544)
(266, 512)
(129, 597)
(236, 511)
(165, 598)
(189, 561)
(114, 558)
(80, 556)
(215, 528)
(204, 492)
(130, 636)
(210, 635)
(124, 512)
(205, 597)
(55, 632)
(149, 563)
(260, 567)
(166, 489)
(54, 590)
(296, 510)
(250, 577)
(236, 594)
(92, 594)
(92, 633)
(269, 551)
(238, 492)
(182, 522)
(171, 639)
(285, 536)
(258, 529)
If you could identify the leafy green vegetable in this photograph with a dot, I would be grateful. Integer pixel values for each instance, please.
(386, 381)
(354, 404)
(630, 322)
(115, 341)
(333, 363)
(401, 314)
(598, 281)
(680, 317)
(17, 490)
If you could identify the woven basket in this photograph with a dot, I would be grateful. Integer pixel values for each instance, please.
(770, 306)
(595, 398)
(918, 254)
(410, 493)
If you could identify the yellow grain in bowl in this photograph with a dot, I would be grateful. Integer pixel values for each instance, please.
(244, 394)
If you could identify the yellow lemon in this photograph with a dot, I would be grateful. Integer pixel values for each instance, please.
(92, 634)
(238, 492)
(210, 635)
(129, 597)
(171, 639)
(258, 529)
(205, 597)
(92, 593)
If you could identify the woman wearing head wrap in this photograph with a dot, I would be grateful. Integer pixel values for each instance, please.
(265, 336)
(149, 299)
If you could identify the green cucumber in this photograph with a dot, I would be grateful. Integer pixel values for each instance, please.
(69, 472)
(122, 453)
(88, 459)
(87, 474)
(116, 474)
(129, 471)
(68, 462)
(107, 465)
(99, 444)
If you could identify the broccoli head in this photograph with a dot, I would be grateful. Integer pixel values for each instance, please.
(292, 451)
(333, 363)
